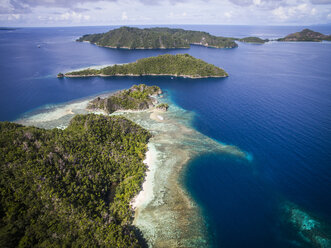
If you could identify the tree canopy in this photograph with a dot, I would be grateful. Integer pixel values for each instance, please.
(156, 38)
(172, 65)
(138, 97)
(72, 187)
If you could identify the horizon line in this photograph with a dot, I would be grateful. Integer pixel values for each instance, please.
(193, 24)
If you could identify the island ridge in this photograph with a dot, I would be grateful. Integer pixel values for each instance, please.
(179, 65)
(306, 35)
(156, 38)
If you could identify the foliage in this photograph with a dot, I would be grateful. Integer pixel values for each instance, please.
(176, 65)
(306, 35)
(253, 40)
(72, 187)
(138, 97)
(327, 37)
(154, 38)
(163, 106)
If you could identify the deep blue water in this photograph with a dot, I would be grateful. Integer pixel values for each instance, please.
(276, 105)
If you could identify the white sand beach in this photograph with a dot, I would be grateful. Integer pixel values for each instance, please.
(147, 193)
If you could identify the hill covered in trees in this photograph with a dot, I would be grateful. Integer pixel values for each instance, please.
(156, 38)
(72, 187)
(138, 97)
(306, 35)
(179, 65)
(253, 39)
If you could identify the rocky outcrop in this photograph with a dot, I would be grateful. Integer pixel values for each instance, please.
(163, 106)
(138, 97)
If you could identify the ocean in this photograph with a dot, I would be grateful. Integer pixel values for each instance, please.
(275, 105)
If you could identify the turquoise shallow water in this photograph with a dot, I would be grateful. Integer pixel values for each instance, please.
(276, 105)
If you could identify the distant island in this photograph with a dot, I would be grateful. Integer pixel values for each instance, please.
(138, 97)
(5, 28)
(180, 65)
(156, 38)
(253, 39)
(306, 35)
(71, 187)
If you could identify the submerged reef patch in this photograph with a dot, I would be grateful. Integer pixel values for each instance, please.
(308, 228)
(169, 217)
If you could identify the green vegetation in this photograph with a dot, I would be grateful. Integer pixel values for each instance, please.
(163, 106)
(60, 75)
(138, 97)
(253, 40)
(306, 35)
(72, 187)
(172, 65)
(156, 38)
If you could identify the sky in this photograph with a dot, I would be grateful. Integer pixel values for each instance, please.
(139, 12)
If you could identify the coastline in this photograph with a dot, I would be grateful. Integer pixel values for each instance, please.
(164, 212)
(137, 48)
(162, 48)
(146, 194)
(223, 112)
(139, 75)
(143, 48)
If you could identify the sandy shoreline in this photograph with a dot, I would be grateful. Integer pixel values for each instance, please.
(164, 212)
(151, 48)
(147, 194)
(139, 75)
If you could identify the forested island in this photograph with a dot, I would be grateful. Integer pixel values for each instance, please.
(253, 39)
(138, 97)
(72, 187)
(179, 65)
(306, 35)
(156, 38)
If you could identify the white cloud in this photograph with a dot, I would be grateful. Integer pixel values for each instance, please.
(16, 16)
(313, 11)
(13, 17)
(124, 16)
(6, 6)
(108, 12)
(228, 14)
(71, 17)
(299, 12)
(257, 2)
